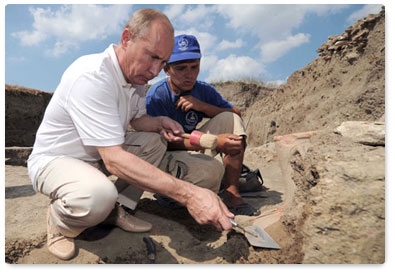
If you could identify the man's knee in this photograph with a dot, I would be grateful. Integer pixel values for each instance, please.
(85, 207)
(157, 143)
(207, 174)
(227, 116)
(102, 201)
(225, 122)
(97, 200)
(155, 149)
(212, 175)
(148, 146)
(196, 168)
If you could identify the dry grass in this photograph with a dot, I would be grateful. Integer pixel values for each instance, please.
(14, 88)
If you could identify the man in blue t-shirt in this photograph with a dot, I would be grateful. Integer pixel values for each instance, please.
(190, 102)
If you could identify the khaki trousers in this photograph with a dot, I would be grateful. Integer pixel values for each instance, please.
(81, 193)
(204, 170)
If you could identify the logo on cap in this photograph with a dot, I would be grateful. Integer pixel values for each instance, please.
(183, 44)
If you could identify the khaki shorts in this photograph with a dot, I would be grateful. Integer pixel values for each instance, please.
(203, 169)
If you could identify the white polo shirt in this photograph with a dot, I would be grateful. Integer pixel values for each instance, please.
(92, 106)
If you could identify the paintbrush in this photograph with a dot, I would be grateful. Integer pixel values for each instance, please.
(207, 141)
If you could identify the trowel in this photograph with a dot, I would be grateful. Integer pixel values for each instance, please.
(256, 236)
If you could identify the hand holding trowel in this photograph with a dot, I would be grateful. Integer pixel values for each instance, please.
(256, 236)
(206, 141)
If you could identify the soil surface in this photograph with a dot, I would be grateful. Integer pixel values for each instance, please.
(318, 140)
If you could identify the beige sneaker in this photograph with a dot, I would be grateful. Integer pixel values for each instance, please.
(60, 246)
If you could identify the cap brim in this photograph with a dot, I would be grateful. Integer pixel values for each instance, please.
(184, 56)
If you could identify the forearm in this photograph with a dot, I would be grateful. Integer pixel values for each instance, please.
(184, 145)
(144, 175)
(147, 123)
(203, 204)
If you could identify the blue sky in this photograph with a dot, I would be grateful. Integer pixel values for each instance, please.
(264, 42)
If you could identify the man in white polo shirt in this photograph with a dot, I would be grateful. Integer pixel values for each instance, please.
(84, 138)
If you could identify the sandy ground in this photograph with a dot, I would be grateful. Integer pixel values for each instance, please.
(177, 237)
(324, 205)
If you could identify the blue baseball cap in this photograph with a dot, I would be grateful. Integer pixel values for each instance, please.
(186, 47)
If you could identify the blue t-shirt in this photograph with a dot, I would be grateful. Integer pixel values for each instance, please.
(161, 101)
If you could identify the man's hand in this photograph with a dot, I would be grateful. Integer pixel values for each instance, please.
(230, 144)
(207, 208)
(187, 103)
(168, 128)
(171, 129)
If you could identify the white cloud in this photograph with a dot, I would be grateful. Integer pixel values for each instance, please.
(207, 40)
(29, 38)
(223, 45)
(273, 25)
(61, 48)
(367, 9)
(235, 68)
(276, 83)
(69, 25)
(196, 14)
(173, 11)
(274, 50)
(207, 62)
(274, 20)
(323, 10)
(184, 16)
(18, 59)
(269, 22)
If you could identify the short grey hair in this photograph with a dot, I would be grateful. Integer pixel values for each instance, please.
(140, 21)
